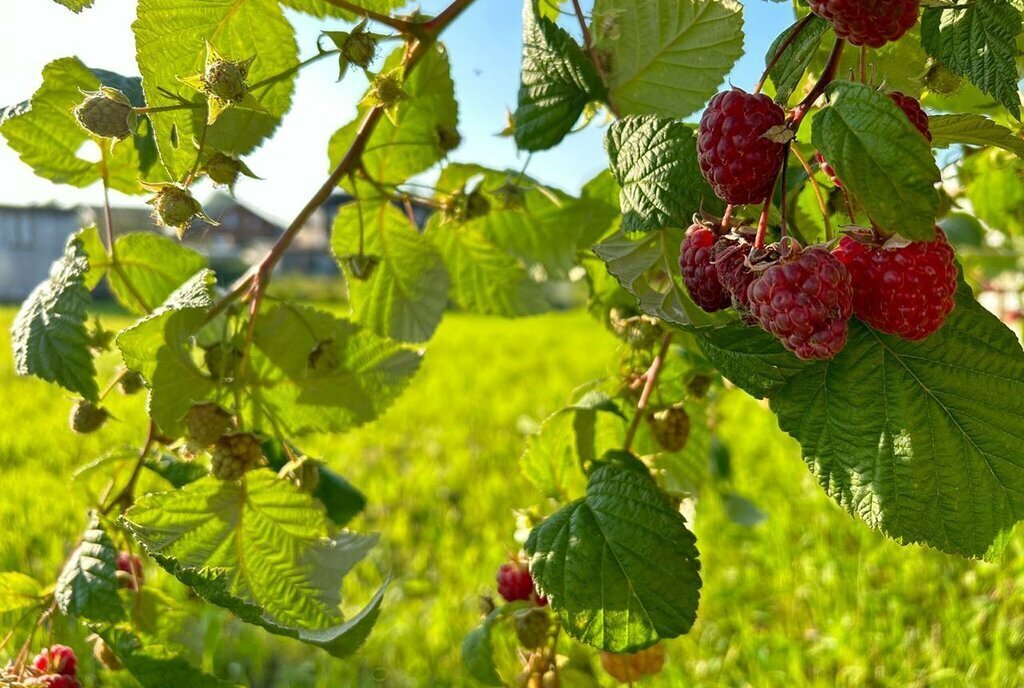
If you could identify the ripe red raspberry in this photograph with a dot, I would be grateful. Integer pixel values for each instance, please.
(907, 292)
(515, 583)
(805, 301)
(129, 570)
(915, 113)
(736, 158)
(734, 274)
(57, 681)
(696, 262)
(868, 22)
(59, 659)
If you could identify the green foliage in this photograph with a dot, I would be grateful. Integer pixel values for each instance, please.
(790, 66)
(973, 129)
(87, 587)
(18, 592)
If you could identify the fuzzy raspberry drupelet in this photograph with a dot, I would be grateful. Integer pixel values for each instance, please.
(738, 160)
(805, 301)
(58, 659)
(915, 113)
(734, 274)
(696, 262)
(515, 583)
(868, 22)
(907, 292)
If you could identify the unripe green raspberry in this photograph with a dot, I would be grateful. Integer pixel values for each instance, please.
(131, 382)
(360, 48)
(175, 207)
(226, 80)
(304, 474)
(510, 195)
(361, 267)
(939, 79)
(221, 360)
(670, 427)
(477, 205)
(325, 357)
(699, 385)
(386, 90)
(448, 138)
(532, 626)
(235, 455)
(206, 423)
(222, 169)
(87, 417)
(105, 113)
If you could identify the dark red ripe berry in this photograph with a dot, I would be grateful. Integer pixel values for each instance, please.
(59, 659)
(907, 292)
(868, 22)
(736, 158)
(734, 274)
(130, 566)
(515, 583)
(696, 262)
(58, 681)
(805, 301)
(917, 116)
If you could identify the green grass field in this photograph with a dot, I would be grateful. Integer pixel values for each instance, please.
(808, 598)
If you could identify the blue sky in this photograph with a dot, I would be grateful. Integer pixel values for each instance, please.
(485, 51)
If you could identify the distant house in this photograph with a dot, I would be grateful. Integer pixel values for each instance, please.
(31, 238)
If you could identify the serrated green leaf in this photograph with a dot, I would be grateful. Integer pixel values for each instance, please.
(557, 81)
(407, 293)
(238, 31)
(919, 439)
(882, 159)
(75, 6)
(750, 357)
(667, 57)
(158, 347)
(154, 664)
(484, 278)
(322, 8)
(48, 138)
(973, 130)
(477, 653)
(978, 41)
(362, 375)
(87, 587)
(647, 266)
(18, 591)
(49, 336)
(619, 566)
(228, 540)
(150, 267)
(796, 58)
(654, 161)
(399, 148)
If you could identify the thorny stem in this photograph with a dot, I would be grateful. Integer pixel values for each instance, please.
(783, 228)
(827, 76)
(595, 57)
(406, 27)
(125, 496)
(817, 192)
(292, 70)
(166, 108)
(793, 35)
(650, 382)
(762, 224)
(417, 50)
(863, 64)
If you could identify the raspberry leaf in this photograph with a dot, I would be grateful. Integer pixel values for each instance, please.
(619, 565)
(917, 439)
(407, 293)
(49, 336)
(341, 500)
(75, 6)
(154, 663)
(974, 130)
(789, 69)
(159, 347)
(654, 161)
(18, 592)
(667, 57)
(647, 267)
(154, 266)
(322, 8)
(286, 391)
(558, 80)
(478, 653)
(408, 142)
(992, 181)
(881, 158)
(47, 137)
(87, 587)
(224, 539)
(978, 41)
(238, 31)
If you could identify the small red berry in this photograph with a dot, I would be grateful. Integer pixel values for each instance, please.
(129, 568)
(868, 22)
(805, 301)
(58, 681)
(736, 158)
(515, 583)
(908, 291)
(915, 113)
(734, 274)
(696, 262)
(59, 659)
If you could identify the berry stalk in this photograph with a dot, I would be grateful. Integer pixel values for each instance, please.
(650, 382)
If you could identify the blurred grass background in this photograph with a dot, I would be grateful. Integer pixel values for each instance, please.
(808, 598)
